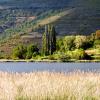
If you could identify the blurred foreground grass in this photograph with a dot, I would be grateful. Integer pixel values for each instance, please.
(50, 86)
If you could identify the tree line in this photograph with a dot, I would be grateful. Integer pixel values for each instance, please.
(48, 46)
(59, 48)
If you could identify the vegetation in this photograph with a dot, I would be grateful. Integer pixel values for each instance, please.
(49, 41)
(66, 48)
(23, 52)
(32, 51)
(53, 47)
(50, 86)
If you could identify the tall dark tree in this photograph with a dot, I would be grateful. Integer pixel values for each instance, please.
(53, 39)
(49, 37)
(45, 42)
(49, 40)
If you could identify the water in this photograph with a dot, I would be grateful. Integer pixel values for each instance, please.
(51, 67)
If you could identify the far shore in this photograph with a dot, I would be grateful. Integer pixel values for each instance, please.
(48, 61)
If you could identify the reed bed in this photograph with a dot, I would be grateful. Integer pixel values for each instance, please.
(49, 86)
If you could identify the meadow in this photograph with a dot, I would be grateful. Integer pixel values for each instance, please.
(50, 86)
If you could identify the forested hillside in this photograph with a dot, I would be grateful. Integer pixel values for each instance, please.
(25, 16)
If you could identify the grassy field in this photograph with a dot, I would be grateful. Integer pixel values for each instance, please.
(50, 86)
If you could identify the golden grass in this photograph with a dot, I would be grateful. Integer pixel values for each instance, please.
(49, 86)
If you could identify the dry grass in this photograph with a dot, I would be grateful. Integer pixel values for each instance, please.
(49, 86)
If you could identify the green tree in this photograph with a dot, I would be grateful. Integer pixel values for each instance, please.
(97, 34)
(44, 42)
(60, 45)
(49, 40)
(80, 41)
(31, 51)
(68, 42)
(19, 52)
(53, 39)
(78, 54)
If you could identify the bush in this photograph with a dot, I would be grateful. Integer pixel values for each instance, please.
(66, 43)
(61, 56)
(74, 42)
(80, 42)
(1, 55)
(64, 58)
(60, 44)
(78, 54)
(32, 51)
(97, 43)
(98, 34)
(19, 52)
(51, 57)
(69, 43)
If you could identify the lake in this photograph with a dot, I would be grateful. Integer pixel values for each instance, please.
(51, 67)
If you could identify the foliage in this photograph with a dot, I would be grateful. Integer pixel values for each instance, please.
(44, 44)
(80, 41)
(60, 48)
(19, 52)
(69, 43)
(60, 44)
(66, 43)
(60, 56)
(78, 54)
(74, 42)
(49, 40)
(97, 43)
(25, 52)
(97, 34)
(53, 40)
(32, 50)
(1, 55)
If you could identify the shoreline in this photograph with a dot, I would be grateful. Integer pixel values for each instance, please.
(51, 61)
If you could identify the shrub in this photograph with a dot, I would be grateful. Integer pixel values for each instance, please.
(60, 44)
(64, 58)
(32, 51)
(1, 55)
(80, 42)
(66, 43)
(97, 43)
(78, 54)
(61, 56)
(98, 34)
(19, 52)
(51, 57)
(69, 42)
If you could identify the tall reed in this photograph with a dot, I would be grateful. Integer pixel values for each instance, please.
(49, 86)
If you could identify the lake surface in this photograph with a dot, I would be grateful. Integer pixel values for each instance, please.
(52, 67)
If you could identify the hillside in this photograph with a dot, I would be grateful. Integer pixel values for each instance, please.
(18, 16)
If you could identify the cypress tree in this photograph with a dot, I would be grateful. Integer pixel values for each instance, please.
(45, 42)
(53, 39)
(49, 40)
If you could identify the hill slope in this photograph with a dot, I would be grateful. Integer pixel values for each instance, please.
(84, 19)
